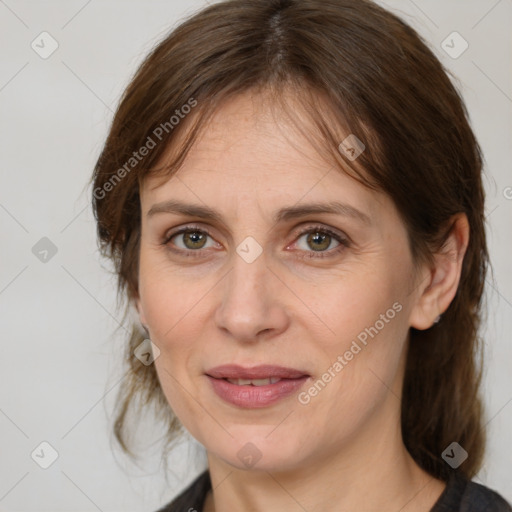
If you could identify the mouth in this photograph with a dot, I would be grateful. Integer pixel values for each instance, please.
(254, 382)
(255, 374)
(255, 387)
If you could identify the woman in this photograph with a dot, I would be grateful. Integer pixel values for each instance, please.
(291, 194)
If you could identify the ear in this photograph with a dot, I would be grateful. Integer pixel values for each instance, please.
(140, 311)
(441, 281)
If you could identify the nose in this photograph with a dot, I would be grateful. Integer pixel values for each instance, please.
(251, 306)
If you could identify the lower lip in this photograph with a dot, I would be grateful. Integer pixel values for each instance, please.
(256, 396)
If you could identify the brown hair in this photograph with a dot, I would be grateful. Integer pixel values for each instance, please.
(377, 79)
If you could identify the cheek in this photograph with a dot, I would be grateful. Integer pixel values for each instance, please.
(357, 306)
(168, 298)
(359, 375)
(367, 330)
(174, 313)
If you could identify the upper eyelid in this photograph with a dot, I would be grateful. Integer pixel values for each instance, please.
(304, 228)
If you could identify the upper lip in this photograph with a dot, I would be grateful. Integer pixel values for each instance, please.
(233, 371)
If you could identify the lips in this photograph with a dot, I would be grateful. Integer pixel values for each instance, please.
(256, 387)
(232, 371)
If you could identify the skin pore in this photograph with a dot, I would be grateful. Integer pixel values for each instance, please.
(343, 449)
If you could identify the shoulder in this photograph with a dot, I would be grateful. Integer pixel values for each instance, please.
(463, 495)
(478, 498)
(192, 498)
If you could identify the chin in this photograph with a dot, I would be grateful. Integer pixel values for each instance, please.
(258, 449)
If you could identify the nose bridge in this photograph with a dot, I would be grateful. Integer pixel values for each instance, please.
(249, 304)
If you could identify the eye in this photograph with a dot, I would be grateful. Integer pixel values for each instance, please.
(188, 240)
(318, 239)
(313, 242)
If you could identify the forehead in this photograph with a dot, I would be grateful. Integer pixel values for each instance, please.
(250, 152)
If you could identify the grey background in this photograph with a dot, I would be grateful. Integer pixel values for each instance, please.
(60, 348)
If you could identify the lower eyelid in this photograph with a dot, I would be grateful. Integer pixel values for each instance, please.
(311, 254)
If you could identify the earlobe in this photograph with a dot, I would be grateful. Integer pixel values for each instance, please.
(437, 292)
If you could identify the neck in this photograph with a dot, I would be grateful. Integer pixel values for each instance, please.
(372, 471)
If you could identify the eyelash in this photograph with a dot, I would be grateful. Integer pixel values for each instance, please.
(343, 242)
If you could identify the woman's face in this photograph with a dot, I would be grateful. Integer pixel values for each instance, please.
(270, 281)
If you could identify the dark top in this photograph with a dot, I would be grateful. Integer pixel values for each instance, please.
(460, 495)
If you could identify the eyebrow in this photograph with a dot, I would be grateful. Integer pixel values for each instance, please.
(283, 214)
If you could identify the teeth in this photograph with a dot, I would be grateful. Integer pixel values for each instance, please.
(254, 382)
